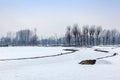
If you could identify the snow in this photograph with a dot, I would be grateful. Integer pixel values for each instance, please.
(63, 67)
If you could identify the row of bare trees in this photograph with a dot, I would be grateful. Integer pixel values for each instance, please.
(90, 36)
(24, 37)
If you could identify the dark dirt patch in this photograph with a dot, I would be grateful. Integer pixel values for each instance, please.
(88, 62)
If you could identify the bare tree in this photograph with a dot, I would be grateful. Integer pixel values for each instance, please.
(85, 34)
(75, 32)
(34, 39)
(80, 38)
(91, 32)
(103, 37)
(68, 36)
(118, 39)
(97, 33)
(107, 36)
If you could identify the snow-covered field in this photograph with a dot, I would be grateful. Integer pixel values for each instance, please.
(64, 67)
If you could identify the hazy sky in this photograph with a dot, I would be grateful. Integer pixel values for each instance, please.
(52, 16)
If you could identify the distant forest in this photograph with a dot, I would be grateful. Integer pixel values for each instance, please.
(74, 36)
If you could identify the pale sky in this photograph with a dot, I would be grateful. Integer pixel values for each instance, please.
(52, 16)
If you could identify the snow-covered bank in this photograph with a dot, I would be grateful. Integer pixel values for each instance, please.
(64, 67)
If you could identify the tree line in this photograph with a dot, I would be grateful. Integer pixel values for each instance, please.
(91, 36)
(21, 38)
(74, 36)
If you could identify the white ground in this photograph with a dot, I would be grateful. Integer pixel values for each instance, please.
(63, 67)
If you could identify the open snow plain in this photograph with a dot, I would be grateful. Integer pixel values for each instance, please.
(63, 67)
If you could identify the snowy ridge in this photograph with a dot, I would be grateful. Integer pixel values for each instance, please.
(70, 51)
